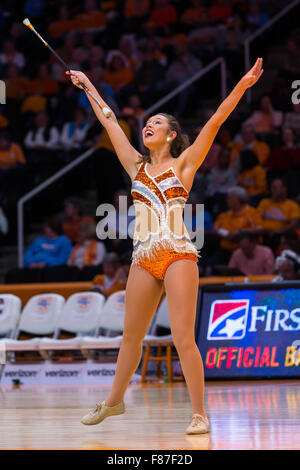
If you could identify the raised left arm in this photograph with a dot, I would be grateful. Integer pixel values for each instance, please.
(194, 155)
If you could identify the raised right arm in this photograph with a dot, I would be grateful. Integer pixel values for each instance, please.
(127, 154)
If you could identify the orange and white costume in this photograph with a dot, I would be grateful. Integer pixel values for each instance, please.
(160, 236)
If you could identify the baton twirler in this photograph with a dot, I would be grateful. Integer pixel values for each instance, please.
(107, 112)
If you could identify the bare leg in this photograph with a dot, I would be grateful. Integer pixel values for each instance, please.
(181, 285)
(143, 292)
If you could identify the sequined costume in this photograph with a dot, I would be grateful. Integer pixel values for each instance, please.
(160, 235)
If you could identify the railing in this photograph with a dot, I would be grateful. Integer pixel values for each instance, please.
(219, 61)
(257, 33)
(36, 191)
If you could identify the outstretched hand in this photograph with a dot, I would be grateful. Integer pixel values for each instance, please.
(78, 77)
(254, 74)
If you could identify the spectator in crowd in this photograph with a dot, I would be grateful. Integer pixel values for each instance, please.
(91, 18)
(88, 251)
(34, 8)
(16, 84)
(193, 220)
(10, 56)
(112, 279)
(252, 259)
(149, 77)
(163, 13)
(74, 132)
(292, 120)
(219, 11)
(239, 218)
(179, 71)
(202, 40)
(73, 219)
(118, 72)
(44, 84)
(63, 24)
(279, 214)
(266, 120)
(191, 15)
(291, 61)
(249, 142)
(136, 9)
(52, 249)
(252, 175)
(43, 136)
(289, 241)
(219, 180)
(11, 154)
(287, 265)
(285, 157)
(256, 18)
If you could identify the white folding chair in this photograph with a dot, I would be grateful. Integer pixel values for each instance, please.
(10, 309)
(39, 317)
(112, 320)
(79, 316)
(161, 318)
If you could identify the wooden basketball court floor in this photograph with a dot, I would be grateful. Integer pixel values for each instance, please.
(243, 415)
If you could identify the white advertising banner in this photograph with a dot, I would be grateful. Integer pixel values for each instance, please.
(90, 373)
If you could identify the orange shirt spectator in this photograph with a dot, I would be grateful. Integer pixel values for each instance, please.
(191, 16)
(249, 142)
(35, 103)
(112, 280)
(15, 84)
(163, 14)
(278, 212)
(91, 18)
(118, 72)
(252, 176)
(11, 154)
(3, 122)
(220, 11)
(136, 8)
(254, 181)
(63, 24)
(108, 286)
(43, 85)
(71, 227)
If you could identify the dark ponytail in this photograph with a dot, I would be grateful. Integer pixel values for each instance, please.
(179, 144)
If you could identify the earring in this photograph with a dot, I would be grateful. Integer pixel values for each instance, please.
(169, 139)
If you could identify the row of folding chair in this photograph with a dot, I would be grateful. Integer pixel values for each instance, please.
(84, 314)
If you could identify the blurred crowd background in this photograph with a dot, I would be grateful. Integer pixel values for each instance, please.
(135, 52)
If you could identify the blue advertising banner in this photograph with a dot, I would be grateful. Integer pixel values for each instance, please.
(250, 330)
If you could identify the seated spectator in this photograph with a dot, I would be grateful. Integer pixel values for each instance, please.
(239, 218)
(112, 280)
(10, 56)
(224, 138)
(252, 259)
(73, 219)
(44, 84)
(163, 13)
(279, 214)
(252, 176)
(149, 77)
(256, 18)
(88, 251)
(291, 60)
(287, 265)
(202, 40)
(292, 120)
(91, 18)
(133, 107)
(11, 154)
(16, 83)
(136, 8)
(74, 133)
(285, 157)
(222, 177)
(266, 120)
(289, 241)
(219, 11)
(52, 249)
(191, 15)
(43, 136)
(63, 24)
(118, 72)
(249, 142)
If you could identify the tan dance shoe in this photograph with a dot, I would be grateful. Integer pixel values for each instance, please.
(101, 412)
(199, 425)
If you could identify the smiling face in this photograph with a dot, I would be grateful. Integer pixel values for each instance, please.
(156, 132)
